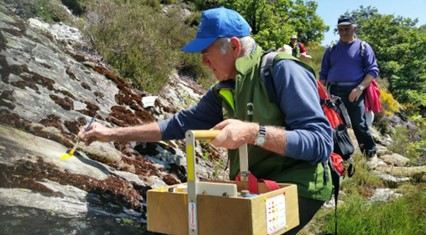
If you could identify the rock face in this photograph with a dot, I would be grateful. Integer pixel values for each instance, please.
(51, 84)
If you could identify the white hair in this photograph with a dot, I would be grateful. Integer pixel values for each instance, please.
(247, 44)
(223, 44)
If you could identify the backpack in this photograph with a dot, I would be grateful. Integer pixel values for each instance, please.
(335, 112)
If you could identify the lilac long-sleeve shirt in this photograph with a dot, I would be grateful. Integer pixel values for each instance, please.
(309, 135)
(344, 63)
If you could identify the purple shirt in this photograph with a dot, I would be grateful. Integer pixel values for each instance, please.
(344, 63)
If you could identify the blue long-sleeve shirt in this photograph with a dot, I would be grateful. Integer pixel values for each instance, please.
(309, 135)
(344, 63)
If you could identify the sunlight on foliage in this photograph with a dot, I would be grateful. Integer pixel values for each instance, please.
(389, 104)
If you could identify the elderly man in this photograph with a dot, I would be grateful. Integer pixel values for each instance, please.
(348, 67)
(289, 139)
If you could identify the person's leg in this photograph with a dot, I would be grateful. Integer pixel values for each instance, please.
(307, 209)
(356, 111)
(362, 132)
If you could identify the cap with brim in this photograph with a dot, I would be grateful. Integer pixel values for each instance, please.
(293, 37)
(345, 20)
(217, 23)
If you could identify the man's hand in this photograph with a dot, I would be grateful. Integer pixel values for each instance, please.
(96, 132)
(355, 94)
(235, 133)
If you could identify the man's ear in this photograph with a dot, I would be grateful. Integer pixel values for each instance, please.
(235, 46)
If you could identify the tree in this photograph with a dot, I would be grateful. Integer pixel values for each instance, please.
(274, 21)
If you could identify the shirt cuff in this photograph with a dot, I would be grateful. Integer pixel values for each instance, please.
(293, 141)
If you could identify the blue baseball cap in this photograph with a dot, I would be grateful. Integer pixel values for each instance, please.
(217, 23)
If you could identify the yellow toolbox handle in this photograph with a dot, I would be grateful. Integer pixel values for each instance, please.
(205, 134)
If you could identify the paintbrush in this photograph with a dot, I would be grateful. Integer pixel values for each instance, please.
(71, 152)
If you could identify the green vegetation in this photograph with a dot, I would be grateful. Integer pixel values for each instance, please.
(141, 40)
(142, 43)
(273, 22)
(396, 217)
(411, 144)
(316, 52)
(49, 10)
(404, 214)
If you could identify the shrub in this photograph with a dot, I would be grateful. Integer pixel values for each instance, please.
(47, 10)
(140, 42)
(389, 107)
(389, 104)
(411, 142)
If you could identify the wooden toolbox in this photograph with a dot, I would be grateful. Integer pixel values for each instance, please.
(218, 207)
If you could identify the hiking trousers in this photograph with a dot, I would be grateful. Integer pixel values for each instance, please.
(356, 111)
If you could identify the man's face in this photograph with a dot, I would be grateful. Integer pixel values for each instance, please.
(222, 64)
(293, 41)
(346, 32)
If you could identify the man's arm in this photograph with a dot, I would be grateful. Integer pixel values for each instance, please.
(359, 90)
(325, 66)
(372, 72)
(308, 132)
(307, 135)
(370, 62)
(149, 132)
(204, 115)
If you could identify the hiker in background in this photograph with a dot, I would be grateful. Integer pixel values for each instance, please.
(299, 50)
(347, 73)
(288, 143)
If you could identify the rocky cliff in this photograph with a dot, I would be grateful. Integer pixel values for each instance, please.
(51, 84)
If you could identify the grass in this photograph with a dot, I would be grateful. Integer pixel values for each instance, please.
(316, 52)
(397, 216)
(359, 216)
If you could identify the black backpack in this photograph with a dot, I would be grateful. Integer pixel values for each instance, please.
(334, 108)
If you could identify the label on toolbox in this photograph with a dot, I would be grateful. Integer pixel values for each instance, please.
(192, 215)
(275, 214)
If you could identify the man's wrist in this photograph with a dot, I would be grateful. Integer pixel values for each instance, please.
(260, 138)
